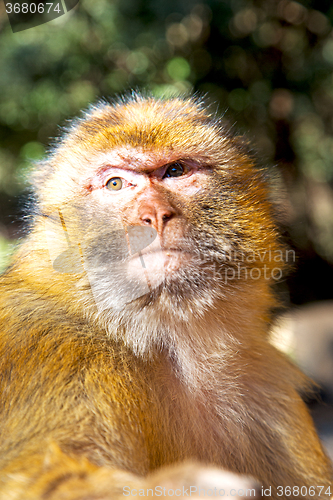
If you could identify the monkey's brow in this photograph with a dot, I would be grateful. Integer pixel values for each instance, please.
(154, 165)
(150, 170)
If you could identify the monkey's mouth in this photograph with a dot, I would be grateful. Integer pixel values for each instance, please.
(163, 256)
(158, 264)
(171, 270)
(174, 251)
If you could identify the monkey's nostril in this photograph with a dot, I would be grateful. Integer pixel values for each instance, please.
(147, 220)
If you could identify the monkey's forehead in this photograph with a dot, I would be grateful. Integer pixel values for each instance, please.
(150, 123)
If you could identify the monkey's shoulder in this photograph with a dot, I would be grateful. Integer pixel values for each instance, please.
(59, 371)
(37, 332)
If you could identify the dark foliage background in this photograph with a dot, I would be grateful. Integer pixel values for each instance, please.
(267, 63)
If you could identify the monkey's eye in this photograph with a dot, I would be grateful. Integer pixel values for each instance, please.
(114, 184)
(174, 170)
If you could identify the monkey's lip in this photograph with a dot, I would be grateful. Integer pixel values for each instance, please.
(164, 253)
(156, 265)
(174, 250)
(168, 251)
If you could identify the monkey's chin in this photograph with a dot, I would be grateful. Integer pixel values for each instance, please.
(145, 277)
(173, 278)
(170, 269)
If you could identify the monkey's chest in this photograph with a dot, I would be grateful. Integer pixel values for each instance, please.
(153, 411)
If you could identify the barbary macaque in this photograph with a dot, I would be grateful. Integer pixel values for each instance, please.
(135, 317)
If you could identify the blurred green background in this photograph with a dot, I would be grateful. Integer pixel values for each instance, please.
(268, 65)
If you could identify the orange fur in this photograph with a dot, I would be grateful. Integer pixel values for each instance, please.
(95, 398)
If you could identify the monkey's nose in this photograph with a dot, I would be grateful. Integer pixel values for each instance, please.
(156, 216)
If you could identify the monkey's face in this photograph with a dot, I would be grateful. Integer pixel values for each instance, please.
(159, 198)
(143, 226)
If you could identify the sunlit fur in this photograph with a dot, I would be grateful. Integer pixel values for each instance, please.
(182, 372)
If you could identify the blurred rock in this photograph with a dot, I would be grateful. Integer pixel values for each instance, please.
(306, 334)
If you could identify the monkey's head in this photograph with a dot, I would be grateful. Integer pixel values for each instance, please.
(159, 203)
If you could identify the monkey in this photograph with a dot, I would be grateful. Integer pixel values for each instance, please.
(134, 318)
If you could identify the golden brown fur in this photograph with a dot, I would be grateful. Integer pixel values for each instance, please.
(97, 392)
